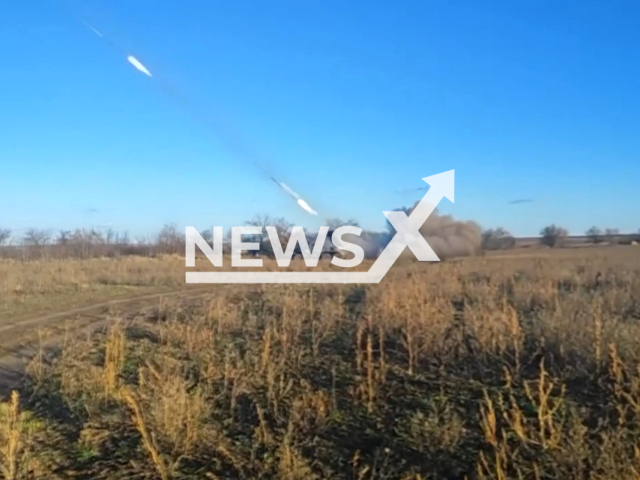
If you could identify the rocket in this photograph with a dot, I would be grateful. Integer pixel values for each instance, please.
(303, 204)
(138, 65)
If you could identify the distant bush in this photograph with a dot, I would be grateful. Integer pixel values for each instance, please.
(553, 236)
(612, 235)
(497, 239)
(595, 235)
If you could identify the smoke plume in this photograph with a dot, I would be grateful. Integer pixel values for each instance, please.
(448, 237)
(451, 238)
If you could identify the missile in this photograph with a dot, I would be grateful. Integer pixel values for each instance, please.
(138, 65)
(303, 204)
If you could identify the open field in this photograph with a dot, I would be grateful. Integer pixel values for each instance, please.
(509, 366)
(55, 285)
(42, 286)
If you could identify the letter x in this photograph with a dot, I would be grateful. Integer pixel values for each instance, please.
(408, 233)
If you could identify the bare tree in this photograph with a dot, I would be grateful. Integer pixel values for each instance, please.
(612, 235)
(96, 237)
(226, 242)
(258, 221)
(110, 236)
(170, 239)
(64, 237)
(594, 234)
(497, 239)
(36, 237)
(553, 236)
(5, 236)
(283, 228)
(207, 235)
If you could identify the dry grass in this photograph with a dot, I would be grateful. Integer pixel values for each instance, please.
(42, 284)
(39, 286)
(482, 369)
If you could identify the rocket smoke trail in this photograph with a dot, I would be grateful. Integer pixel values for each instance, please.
(232, 140)
(304, 205)
(447, 236)
(93, 29)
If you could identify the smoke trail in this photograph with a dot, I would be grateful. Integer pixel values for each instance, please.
(232, 141)
(301, 202)
(92, 29)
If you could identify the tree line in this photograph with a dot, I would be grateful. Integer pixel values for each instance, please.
(550, 236)
(86, 243)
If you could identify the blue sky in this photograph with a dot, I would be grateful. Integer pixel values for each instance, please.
(346, 102)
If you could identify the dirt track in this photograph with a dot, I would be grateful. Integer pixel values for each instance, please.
(20, 341)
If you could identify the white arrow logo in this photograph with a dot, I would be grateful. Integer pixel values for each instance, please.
(407, 235)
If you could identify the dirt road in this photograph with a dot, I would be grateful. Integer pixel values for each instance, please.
(21, 341)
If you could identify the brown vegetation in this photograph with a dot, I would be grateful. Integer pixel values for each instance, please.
(44, 285)
(489, 368)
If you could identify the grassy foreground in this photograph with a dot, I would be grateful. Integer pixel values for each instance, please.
(40, 286)
(54, 285)
(485, 369)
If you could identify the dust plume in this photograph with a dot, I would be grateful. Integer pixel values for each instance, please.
(447, 236)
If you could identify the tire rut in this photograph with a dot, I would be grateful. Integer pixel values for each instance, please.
(20, 342)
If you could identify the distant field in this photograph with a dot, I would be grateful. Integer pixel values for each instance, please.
(576, 240)
(515, 365)
(39, 286)
(577, 251)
